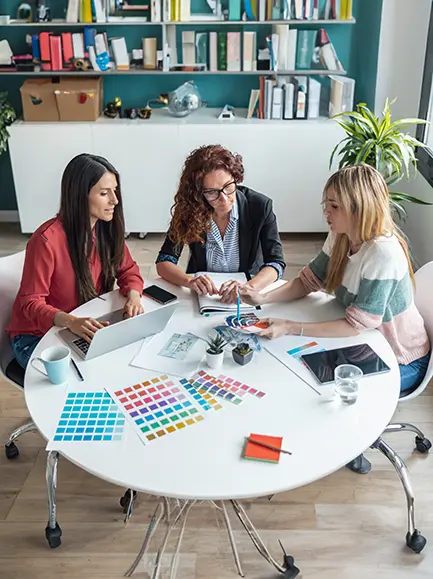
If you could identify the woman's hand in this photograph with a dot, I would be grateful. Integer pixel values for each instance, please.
(229, 291)
(251, 296)
(85, 327)
(133, 305)
(203, 285)
(277, 328)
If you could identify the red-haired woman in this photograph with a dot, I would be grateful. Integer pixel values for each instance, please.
(228, 227)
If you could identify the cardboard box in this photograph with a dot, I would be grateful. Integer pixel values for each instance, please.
(79, 99)
(39, 102)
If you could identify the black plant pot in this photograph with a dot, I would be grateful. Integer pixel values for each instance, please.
(242, 359)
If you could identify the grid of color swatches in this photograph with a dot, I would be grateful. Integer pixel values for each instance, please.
(208, 385)
(157, 407)
(238, 387)
(89, 416)
(201, 394)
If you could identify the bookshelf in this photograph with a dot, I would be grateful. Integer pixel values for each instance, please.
(154, 138)
(140, 71)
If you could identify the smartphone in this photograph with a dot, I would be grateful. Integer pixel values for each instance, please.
(160, 295)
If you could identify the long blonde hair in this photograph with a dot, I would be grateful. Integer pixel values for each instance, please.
(363, 193)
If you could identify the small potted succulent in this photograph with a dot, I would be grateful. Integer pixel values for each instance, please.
(242, 354)
(215, 351)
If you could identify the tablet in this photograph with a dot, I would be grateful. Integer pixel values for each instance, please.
(323, 364)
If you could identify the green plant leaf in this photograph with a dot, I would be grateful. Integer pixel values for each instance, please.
(365, 151)
(401, 196)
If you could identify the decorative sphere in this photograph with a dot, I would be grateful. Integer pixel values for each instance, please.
(24, 12)
(184, 100)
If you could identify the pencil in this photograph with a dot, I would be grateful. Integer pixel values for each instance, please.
(260, 443)
(80, 376)
(239, 304)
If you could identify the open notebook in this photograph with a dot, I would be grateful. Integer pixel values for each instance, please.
(212, 304)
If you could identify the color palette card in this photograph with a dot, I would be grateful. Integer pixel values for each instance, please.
(254, 451)
(157, 407)
(309, 348)
(88, 417)
(239, 388)
(204, 382)
(201, 392)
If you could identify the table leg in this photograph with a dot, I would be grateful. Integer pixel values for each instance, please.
(414, 539)
(254, 536)
(153, 525)
(180, 512)
(232, 539)
(52, 532)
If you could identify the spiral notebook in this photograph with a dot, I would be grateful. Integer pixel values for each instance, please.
(213, 304)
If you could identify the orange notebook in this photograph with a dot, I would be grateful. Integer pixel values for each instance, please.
(256, 452)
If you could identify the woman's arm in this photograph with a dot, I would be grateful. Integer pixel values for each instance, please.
(172, 273)
(167, 267)
(265, 277)
(335, 329)
(291, 290)
(128, 275)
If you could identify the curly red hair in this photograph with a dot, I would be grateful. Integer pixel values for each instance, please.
(191, 213)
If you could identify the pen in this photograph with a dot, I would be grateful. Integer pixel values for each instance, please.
(80, 376)
(259, 443)
(239, 304)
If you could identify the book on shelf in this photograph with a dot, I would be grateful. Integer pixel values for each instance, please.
(286, 97)
(342, 93)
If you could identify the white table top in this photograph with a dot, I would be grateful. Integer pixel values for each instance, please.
(204, 461)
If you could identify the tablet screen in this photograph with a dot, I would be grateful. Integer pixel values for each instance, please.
(323, 364)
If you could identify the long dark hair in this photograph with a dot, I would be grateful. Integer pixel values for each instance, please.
(191, 213)
(81, 174)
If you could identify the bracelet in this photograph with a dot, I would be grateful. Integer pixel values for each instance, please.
(301, 333)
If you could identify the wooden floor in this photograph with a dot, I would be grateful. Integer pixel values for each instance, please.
(345, 526)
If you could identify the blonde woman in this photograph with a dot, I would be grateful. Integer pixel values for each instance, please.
(365, 263)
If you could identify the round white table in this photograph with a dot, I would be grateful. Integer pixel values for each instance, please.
(204, 462)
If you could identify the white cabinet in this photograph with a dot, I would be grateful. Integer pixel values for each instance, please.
(286, 160)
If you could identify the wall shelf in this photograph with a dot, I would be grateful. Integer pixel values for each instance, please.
(178, 72)
(63, 23)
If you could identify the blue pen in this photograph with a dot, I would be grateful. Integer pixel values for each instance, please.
(239, 304)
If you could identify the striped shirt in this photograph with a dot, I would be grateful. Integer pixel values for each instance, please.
(377, 292)
(222, 253)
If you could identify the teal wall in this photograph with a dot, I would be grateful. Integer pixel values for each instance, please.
(356, 46)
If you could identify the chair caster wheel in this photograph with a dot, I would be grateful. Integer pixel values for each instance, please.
(11, 450)
(126, 235)
(416, 541)
(291, 570)
(423, 445)
(125, 500)
(360, 465)
(142, 235)
(53, 536)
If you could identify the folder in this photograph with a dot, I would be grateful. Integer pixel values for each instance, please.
(56, 52)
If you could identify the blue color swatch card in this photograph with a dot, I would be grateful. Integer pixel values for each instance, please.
(88, 417)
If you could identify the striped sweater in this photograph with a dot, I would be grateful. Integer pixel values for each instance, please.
(377, 292)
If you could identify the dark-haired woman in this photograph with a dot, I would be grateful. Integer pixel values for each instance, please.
(228, 227)
(75, 257)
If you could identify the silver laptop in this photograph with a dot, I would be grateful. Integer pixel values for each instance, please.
(121, 331)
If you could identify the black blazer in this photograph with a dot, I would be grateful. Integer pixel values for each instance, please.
(259, 240)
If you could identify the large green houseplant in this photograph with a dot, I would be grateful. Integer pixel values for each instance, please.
(379, 142)
(7, 117)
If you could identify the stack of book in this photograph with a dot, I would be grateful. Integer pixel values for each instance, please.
(300, 98)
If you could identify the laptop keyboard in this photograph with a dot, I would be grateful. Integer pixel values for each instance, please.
(82, 345)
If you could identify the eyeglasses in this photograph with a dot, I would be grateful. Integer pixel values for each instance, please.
(213, 194)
